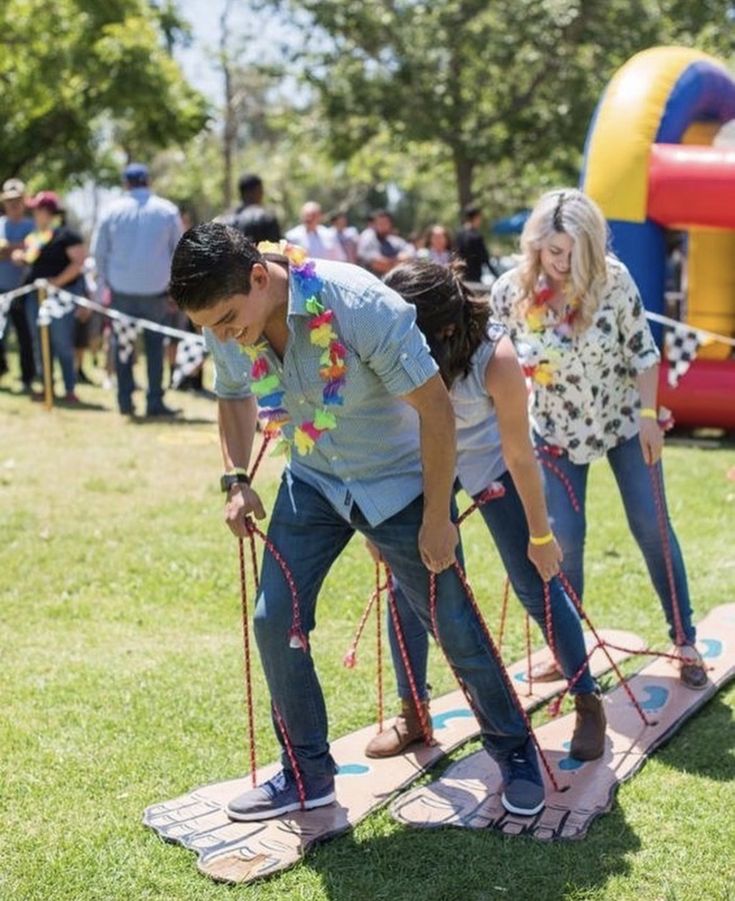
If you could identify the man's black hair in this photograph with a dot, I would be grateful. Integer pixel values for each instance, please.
(211, 262)
(249, 184)
(470, 211)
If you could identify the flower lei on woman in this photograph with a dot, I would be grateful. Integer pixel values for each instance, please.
(542, 372)
(265, 381)
(34, 244)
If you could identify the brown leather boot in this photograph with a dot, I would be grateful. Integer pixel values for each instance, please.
(588, 740)
(405, 730)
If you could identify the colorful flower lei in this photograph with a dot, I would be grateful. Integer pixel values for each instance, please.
(34, 244)
(265, 382)
(537, 318)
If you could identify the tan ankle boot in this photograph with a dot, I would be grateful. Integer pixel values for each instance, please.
(405, 730)
(588, 740)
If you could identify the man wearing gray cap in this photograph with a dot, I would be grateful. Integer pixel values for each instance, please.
(133, 249)
(14, 227)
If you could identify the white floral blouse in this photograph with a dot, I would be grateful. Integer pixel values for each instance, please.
(585, 398)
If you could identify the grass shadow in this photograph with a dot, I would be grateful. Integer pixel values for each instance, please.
(472, 865)
(704, 745)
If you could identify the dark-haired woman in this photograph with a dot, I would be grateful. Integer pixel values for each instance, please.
(488, 391)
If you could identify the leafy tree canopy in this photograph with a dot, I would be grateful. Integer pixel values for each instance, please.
(79, 78)
(504, 85)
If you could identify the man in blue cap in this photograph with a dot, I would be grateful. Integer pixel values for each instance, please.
(133, 249)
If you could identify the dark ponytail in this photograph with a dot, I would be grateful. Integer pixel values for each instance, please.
(442, 299)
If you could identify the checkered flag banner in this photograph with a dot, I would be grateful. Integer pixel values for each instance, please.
(54, 307)
(6, 300)
(126, 334)
(4, 309)
(682, 344)
(189, 357)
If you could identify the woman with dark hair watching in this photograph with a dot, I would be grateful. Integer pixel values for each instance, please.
(479, 366)
(436, 245)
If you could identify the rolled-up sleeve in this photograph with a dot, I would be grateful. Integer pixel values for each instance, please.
(384, 334)
(637, 342)
(231, 381)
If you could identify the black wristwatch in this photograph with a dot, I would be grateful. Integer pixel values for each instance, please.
(233, 478)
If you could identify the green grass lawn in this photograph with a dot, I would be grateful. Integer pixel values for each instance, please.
(122, 683)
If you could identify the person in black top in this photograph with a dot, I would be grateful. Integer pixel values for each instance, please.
(251, 218)
(56, 253)
(471, 245)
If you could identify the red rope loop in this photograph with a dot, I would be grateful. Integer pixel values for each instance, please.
(529, 673)
(503, 613)
(297, 638)
(248, 664)
(601, 644)
(379, 647)
(496, 656)
(655, 473)
(291, 756)
(259, 459)
(398, 629)
(491, 493)
(349, 661)
(552, 467)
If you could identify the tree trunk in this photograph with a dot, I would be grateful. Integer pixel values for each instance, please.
(463, 172)
(228, 131)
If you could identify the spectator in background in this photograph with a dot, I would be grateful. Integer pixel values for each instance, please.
(133, 249)
(251, 217)
(320, 242)
(346, 234)
(471, 245)
(378, 248)
(56, 253)
(15, 226)
(437, 245)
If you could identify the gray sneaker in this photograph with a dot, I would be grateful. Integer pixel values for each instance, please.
(280, 795)
(523, 787)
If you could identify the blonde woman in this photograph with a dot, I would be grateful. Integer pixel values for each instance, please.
(578, 323)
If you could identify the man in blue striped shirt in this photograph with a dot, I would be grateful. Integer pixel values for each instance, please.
(133, 249)
(383, 465)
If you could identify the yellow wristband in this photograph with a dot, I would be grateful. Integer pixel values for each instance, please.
(647, 413)
(237, 471)
(544, 539)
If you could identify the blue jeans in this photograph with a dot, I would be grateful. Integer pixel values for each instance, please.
(141, 306)
(633, 476)
(506, 520)
(61, 333)
(310, 535)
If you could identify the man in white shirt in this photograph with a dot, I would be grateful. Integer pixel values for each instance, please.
(319, 241)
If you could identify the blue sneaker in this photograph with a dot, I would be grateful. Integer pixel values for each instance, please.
(523, 787)
(280, 795)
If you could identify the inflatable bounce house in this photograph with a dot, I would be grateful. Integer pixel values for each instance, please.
(650, 164)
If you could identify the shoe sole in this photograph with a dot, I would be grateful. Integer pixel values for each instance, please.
(287, 808)
(520, 811)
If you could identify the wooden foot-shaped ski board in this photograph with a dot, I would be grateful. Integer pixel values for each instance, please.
(242, 852)
(468, 792)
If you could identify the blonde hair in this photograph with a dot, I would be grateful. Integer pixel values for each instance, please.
(570, 212)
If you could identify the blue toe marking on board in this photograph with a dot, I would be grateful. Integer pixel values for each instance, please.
(441, 719)
(353, 769)
(657, 696)
(569, 763)
(520, 677)
(712, 648)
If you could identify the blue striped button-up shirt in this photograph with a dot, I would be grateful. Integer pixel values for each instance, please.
(135, 243)
(372, 458)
